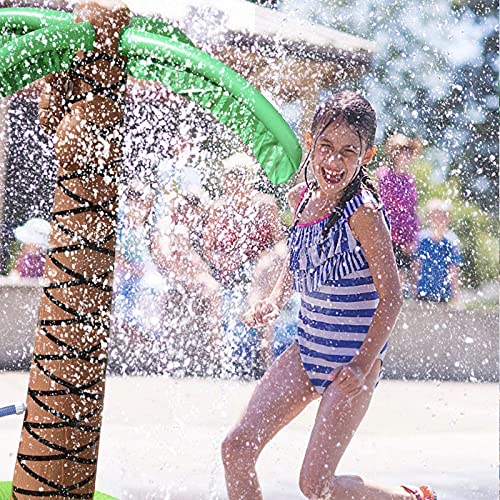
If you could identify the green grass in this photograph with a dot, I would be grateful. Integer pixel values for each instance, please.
(6, 489)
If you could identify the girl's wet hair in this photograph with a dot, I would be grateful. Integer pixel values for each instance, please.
(354, 109)
(358, 113)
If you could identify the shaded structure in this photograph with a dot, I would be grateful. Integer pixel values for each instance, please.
(279, 55)
(287, 58)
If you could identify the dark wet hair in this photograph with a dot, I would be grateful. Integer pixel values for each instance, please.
(361, 117)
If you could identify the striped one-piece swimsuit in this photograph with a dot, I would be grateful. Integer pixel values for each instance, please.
(338, 296)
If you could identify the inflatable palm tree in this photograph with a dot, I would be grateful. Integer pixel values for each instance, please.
(84, 60)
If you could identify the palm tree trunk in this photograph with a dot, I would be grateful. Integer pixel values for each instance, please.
(59, 444)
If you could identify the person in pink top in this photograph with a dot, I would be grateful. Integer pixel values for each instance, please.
(397, 188)
(34, 239)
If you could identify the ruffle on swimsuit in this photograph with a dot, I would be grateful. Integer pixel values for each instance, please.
(313, 264)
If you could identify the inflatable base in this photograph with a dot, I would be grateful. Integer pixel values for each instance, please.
(6, 490)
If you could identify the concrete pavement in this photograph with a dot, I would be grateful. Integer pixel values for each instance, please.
(161, 437)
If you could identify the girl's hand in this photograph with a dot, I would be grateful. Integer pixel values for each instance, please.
(262, 313)
(350, 379)
(409, 248)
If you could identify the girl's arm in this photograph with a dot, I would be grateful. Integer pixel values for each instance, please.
(369, 228)
(268, 310)
(282, 290)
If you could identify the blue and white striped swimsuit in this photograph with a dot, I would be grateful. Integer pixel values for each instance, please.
(338, 296)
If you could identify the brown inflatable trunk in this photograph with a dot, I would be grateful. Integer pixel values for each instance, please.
(59, 444)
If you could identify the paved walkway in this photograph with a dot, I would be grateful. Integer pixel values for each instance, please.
(161, 438)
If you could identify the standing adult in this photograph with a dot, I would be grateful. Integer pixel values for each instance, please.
(191, 303)
(397, 188)
(242, 224)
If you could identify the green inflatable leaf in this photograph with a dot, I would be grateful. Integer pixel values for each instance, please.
(16, 22)
(225, 94)
(37, 42)
(41, 52)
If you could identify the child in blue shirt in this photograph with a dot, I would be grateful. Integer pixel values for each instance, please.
(437, 257)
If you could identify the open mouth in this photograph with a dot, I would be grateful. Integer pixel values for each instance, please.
(332, 177)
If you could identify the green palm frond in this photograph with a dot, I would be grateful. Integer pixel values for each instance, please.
(211, 84)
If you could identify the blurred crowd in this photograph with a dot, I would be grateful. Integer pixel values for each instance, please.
(428, 259)
(186, 266)
(190, 262)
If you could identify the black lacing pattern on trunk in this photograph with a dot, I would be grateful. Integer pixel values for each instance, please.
(109, 91)
(98, 320)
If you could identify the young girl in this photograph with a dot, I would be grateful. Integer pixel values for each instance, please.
(342, 263)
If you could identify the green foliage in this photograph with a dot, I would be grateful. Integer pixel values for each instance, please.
(15, 249)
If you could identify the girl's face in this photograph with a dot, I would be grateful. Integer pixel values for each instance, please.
(337, 156)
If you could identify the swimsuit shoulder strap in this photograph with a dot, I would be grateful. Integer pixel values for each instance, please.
(301, 197)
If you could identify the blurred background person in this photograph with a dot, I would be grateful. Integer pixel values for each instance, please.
(277, 337)
(133, 267)
(34, 239)
(397, 188)
(242, 224)
(191, 304)
(438, 257)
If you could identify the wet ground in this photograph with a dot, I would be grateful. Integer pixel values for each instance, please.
(161, 438)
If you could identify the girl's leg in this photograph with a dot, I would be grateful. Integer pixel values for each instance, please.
(283, 392)
(336, 422)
